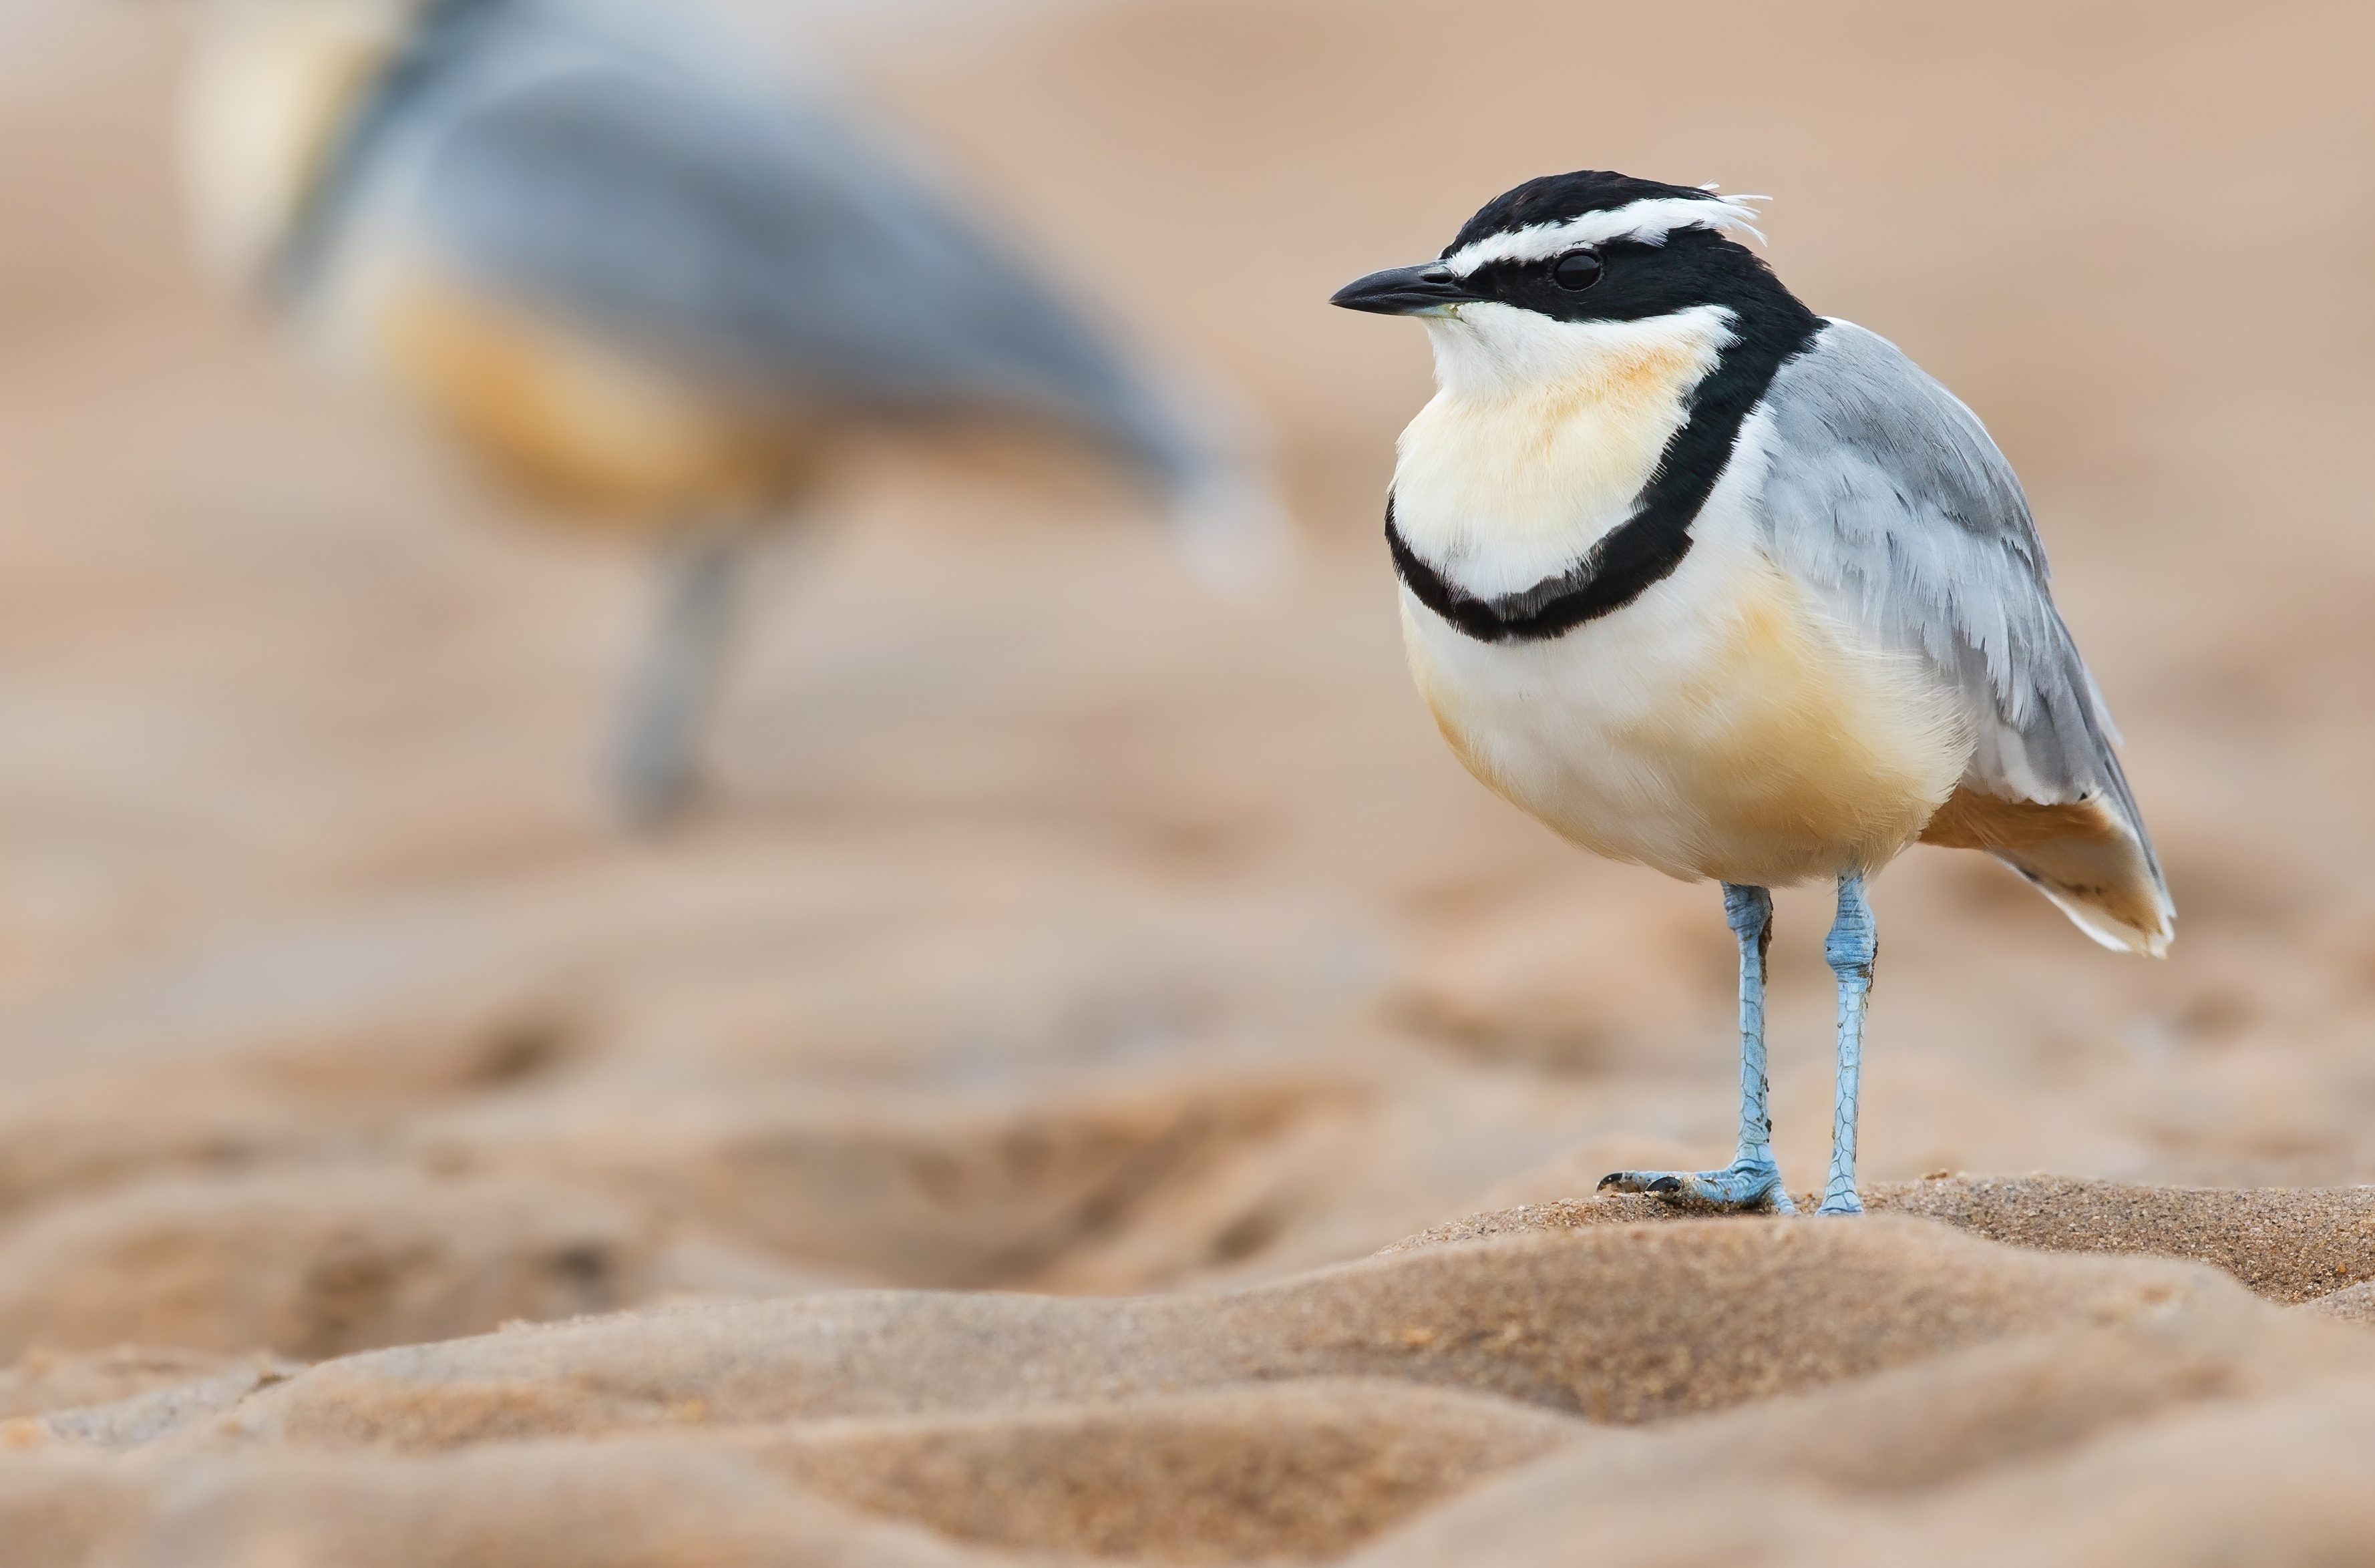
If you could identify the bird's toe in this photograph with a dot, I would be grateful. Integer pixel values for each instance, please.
(1740, 1188)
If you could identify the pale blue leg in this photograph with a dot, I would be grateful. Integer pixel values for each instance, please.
(1751, 1181)
(669, 695)
(1853, 946)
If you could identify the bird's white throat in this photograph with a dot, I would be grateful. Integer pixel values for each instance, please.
(272, 85)
(1541, 435)
(1492, 352)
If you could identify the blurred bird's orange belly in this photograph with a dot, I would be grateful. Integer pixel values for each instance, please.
(576, 420)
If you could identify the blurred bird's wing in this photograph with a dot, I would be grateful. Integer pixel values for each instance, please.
(704, 214)
(1885, 495)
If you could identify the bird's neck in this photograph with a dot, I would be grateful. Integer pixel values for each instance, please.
(1543, 436)
(274, 88)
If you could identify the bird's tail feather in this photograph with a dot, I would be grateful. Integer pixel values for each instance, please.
(2090, 857)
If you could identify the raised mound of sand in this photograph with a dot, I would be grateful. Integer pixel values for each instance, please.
(1520, 1388)
(2288, 1245)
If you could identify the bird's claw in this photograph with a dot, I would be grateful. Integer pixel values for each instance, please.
(1740, 1188)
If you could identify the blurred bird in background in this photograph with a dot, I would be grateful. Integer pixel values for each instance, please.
(655, 284)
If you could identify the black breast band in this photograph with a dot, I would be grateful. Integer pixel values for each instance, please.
(1644, 549)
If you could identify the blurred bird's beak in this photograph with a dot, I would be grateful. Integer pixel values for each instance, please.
(1426, 289)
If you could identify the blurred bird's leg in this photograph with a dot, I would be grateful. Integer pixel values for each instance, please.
(1751, 1181)
(1853, 946)
(669, 693)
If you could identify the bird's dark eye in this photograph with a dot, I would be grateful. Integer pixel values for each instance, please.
(1576, 270)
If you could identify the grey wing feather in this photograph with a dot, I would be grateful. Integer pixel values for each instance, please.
(1887, 496)
(670, 196)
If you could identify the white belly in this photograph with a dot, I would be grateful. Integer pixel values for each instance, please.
(1719, 726)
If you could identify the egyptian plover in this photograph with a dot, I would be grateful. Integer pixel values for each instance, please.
(1711, 584)
(652, 281)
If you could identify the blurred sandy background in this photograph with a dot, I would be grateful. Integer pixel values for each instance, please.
(1052, 927)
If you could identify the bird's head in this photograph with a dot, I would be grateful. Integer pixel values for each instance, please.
(1549, 277)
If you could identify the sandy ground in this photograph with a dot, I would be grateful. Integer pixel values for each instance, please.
(1055, 930)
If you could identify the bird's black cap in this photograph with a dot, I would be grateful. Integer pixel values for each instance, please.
(1555, 198)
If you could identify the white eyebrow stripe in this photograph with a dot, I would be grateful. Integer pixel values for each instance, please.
(1651, 218)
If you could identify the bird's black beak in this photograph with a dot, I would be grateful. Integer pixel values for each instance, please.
(1403, 291)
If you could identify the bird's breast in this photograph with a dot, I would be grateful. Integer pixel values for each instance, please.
(1498, 494)
(1719, 726)
(555, 406)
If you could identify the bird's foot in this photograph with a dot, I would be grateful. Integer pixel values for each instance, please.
(1745, 1186)
(1840, 1198)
